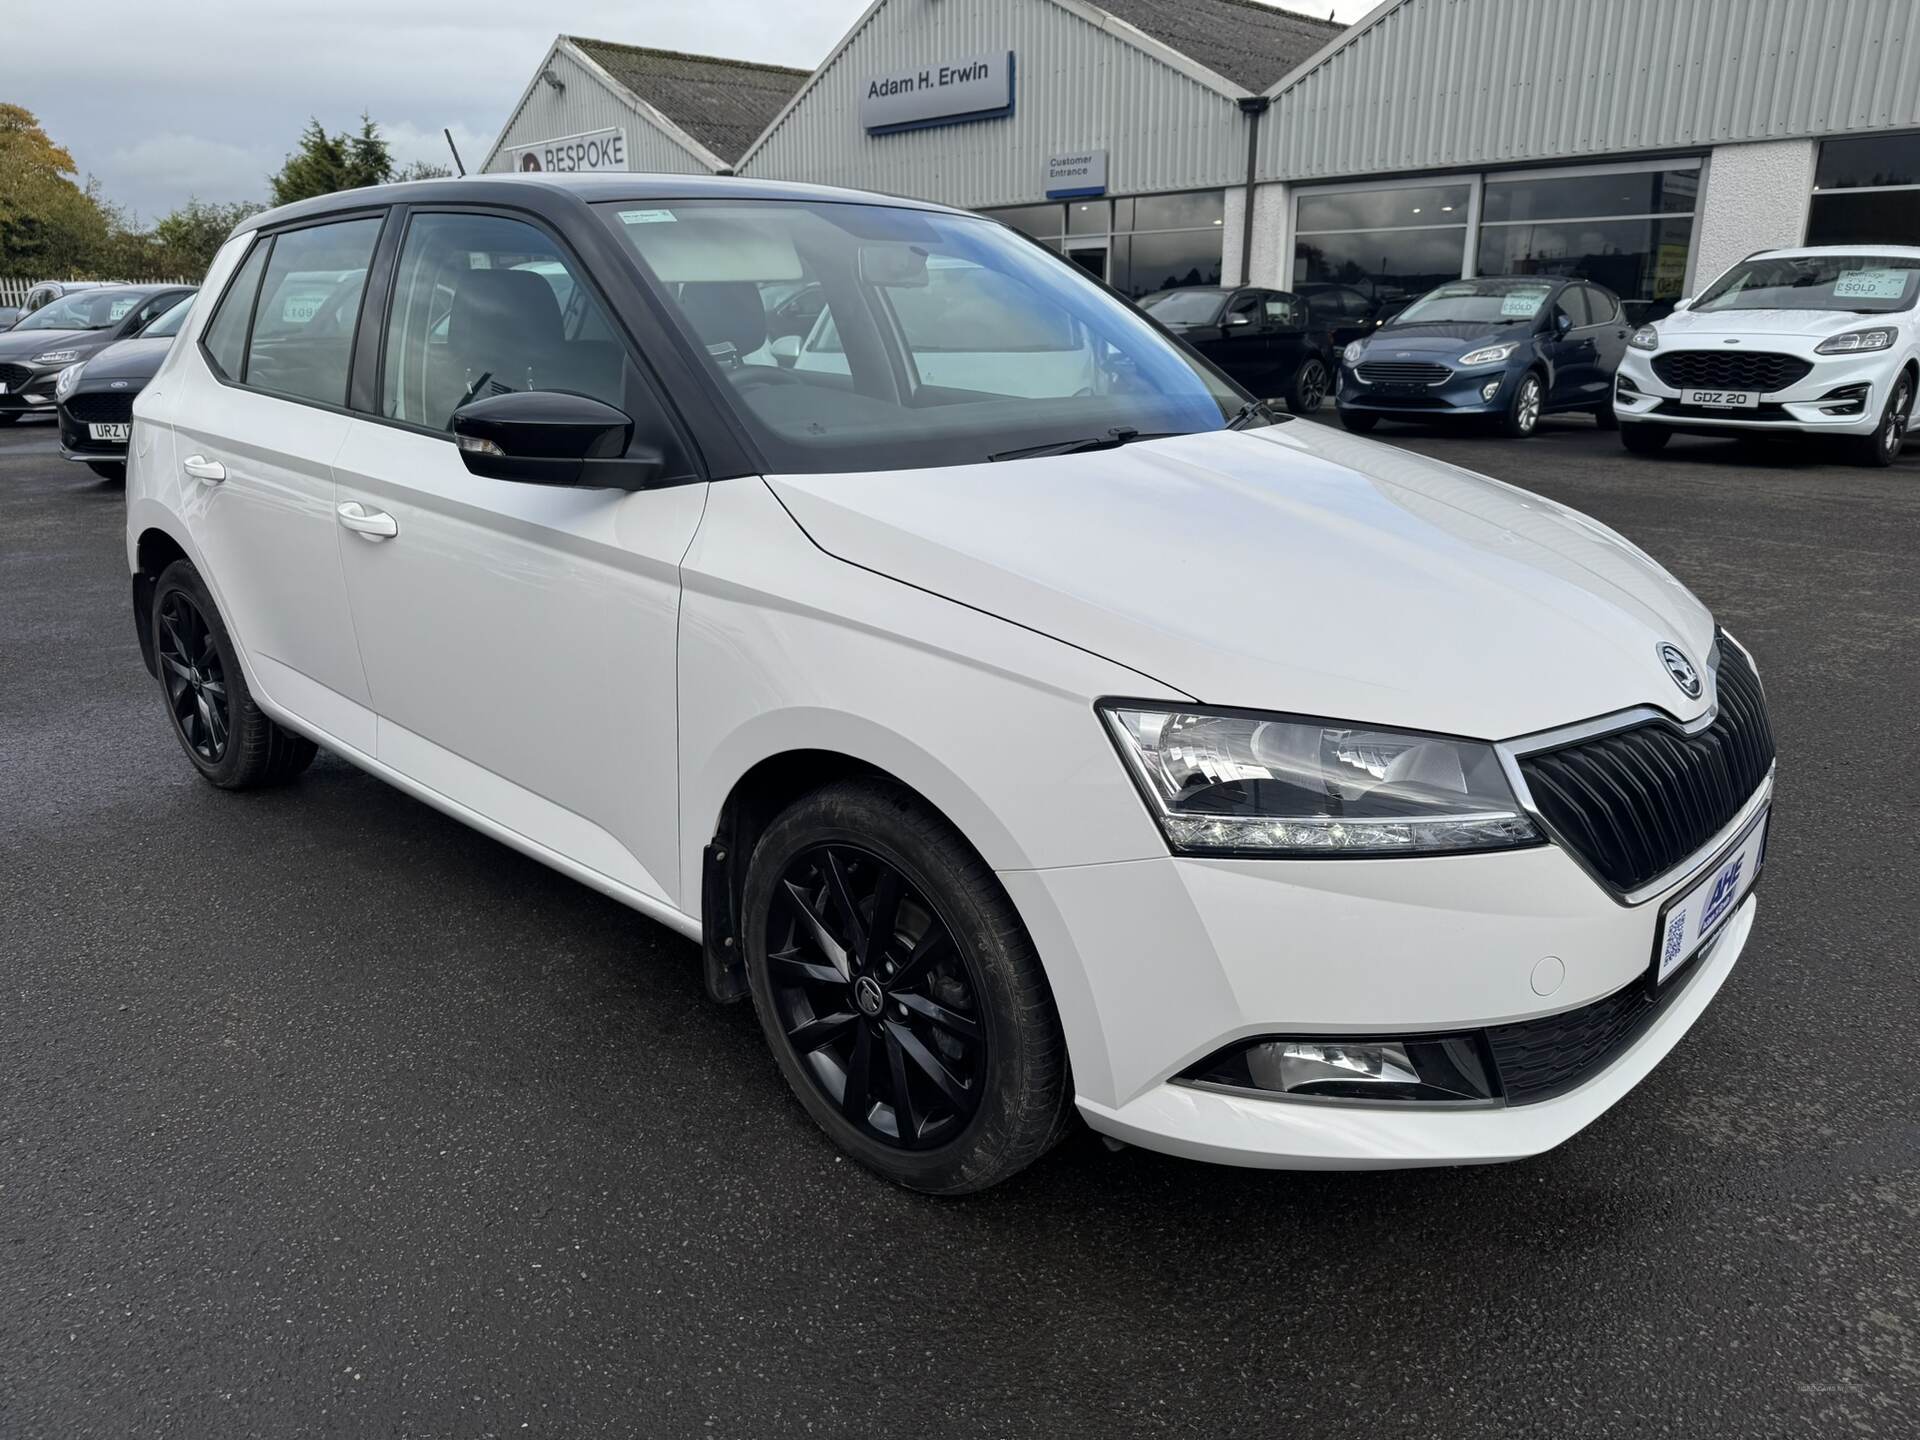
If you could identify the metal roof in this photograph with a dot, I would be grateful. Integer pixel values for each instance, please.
(1244, 41)
(724, 104)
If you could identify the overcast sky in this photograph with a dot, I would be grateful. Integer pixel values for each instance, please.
(206, 97)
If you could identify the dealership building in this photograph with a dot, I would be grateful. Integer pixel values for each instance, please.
(1645, 144)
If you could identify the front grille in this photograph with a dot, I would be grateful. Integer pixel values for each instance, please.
(1539, 1059)
(14, 376)
(99, 408)
(1760, 370)
(1636, 803)
(1404, 372)
(1765, 411)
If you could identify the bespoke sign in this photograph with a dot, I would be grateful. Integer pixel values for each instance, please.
(1084, 172)
(595, 150)
(947, 92)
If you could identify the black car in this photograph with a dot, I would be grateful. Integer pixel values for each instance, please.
(1350, 313)
(1507, 349)
(96, 396)
(71, 329)
(1268, 340)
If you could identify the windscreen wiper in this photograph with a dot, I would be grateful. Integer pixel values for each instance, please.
(1117, 436)
(1254, 410)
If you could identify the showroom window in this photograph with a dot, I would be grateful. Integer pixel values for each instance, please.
(1139, 243)
(1627, 227)
(1629, 230)
(1389, 243)
(1866, 191)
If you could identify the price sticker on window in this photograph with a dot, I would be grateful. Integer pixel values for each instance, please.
(1871, 284)
(119, 308)
(646, 217)
(1521, 304)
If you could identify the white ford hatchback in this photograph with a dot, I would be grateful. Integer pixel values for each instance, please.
(1050, 738)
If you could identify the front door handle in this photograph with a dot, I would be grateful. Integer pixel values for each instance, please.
(372, 524)
(201, 468)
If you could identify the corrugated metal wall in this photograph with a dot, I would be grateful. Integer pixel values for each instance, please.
(586, 104)
(1440, 83)
(1075, 86)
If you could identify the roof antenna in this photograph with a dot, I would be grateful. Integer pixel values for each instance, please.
(446, 131)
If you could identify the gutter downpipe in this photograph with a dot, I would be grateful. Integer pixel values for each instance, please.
(1253, 107)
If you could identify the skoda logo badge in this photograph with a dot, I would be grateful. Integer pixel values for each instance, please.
(1682, 671)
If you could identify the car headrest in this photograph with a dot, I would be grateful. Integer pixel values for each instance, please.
(499, 310)
(725, 312)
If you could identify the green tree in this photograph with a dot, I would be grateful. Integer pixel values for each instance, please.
(324, 163)
(188, 238)
(422, 170)
(49, 225)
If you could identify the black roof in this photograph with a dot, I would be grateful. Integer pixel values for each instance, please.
(546, 192)
(1251, 44)
(724, 104)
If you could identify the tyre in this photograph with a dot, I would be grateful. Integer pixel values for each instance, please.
(7, 417)
(1358, 422)
(1522, 415)
(1645, 439)
(899, 992)
(228, 738)
(1604, 418)
(114, 470)
(1309, 388)
(1882, 447)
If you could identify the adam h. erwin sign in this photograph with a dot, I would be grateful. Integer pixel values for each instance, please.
(970, 87)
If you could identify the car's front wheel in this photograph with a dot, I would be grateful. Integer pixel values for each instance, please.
(1309, 388)
(1882, 447)
(114, 470)
(1358, 421)
(1644, 439)
(899, 991)
(1522, 416)
(229, 739)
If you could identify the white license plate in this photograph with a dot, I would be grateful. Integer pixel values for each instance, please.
(1690, 921)
(109, 432)
(1721, 399)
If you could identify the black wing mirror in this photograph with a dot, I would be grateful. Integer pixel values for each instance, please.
(551, 437)
(1562, 322)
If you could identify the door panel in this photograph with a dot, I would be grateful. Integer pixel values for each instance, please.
(519, 643)
(267, 534)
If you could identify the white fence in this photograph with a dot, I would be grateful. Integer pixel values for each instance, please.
(14, 292)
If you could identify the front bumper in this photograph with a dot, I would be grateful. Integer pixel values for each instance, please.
(31, 392)
(1157, 964)
(1640, 396)
(77, 442)
(1462, 392)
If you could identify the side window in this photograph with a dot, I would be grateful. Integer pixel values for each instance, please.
(1601, 306)
(226, 336)
(1283, 311)
(1248, 305)
(1573, 300)
(302, 342)
(483, 305)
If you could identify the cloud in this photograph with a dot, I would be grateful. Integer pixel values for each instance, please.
(175, 164)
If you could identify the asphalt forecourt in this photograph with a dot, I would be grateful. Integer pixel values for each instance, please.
(323, 1114)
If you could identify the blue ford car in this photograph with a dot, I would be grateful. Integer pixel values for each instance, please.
(1508, 349)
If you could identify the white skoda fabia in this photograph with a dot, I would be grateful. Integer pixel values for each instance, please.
(1077, 737)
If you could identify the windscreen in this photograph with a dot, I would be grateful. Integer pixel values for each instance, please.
(1866, 284)
(88, 310)
(1477, 302)
(937, 340)
(1185, 307)
(169, 321)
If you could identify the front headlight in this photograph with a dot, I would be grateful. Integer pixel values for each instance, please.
(1878, 338)
(1645, 338)
(1235, 783)
(1491, 355)
(56, 357)
(68, 378)
(1353, 352)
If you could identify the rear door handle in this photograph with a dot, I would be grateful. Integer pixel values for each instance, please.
(372, 524)
(201, 468)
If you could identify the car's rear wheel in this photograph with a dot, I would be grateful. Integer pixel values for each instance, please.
(228, 738)
(1883, 446)
(1645, 439)
(115, 470)
(1358, 421)
(899, 991)
(1522, 415)
(1309, 389)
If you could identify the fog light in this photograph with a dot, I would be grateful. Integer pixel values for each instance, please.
(1624, 386)
(1431, 1068)
(1845, 400)
(1490, 389)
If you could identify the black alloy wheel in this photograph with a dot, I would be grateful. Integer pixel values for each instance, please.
(876, 1001)
(195, 678)
(1309, 388)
